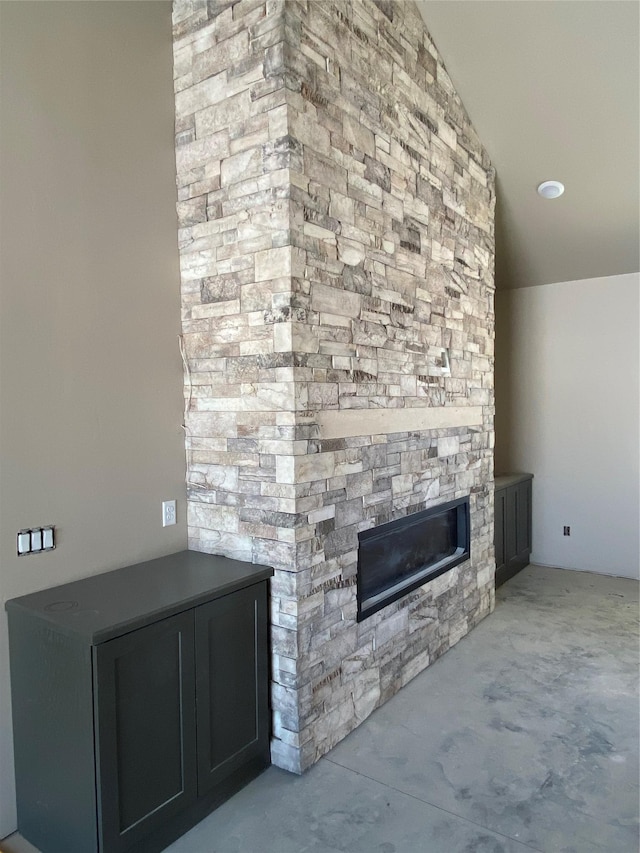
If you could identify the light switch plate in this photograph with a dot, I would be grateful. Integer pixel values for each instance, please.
(35, 540)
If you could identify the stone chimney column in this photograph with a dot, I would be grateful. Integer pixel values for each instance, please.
(336, 242)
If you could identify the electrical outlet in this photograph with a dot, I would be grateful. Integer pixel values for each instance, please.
(566, 531)
(168, 513)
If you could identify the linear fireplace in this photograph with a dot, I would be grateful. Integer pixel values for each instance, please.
(400, 556)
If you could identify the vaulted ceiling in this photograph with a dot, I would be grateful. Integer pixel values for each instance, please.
(552, 87)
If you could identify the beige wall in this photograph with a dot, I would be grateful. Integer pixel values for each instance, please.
(567, 409)
(91, 382)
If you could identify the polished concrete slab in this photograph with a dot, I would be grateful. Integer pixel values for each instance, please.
(522, 737)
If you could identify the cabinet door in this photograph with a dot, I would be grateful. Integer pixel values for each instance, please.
(510, 524)
(145, 730)
(523, 522)
(231, 684)
(499, 529)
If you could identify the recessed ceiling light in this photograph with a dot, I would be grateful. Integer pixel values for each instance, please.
(550, 189)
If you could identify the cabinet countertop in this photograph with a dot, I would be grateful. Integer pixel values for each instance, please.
(107, 605)
(502, 481)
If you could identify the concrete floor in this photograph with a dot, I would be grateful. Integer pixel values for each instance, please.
(522, 737)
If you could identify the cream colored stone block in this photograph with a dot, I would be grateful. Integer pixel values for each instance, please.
(391, 627)
(284, 491)
(367, 696)
(283, 337)
(358, 135)
(341, 207)
(322, 514)
(288, 418)
(241, 167)
(236, 546)
(305, 339)
(203, 94)
(349, 466)
(282, 448)
(486, 575)
(285, 469)
(201, 151)
(333, 301)
(401, 484)
(311, 230)
(278, 122)
(419, 210)
(432, 490)
(449, 445)
(350, 252)
(207, 424)
(369, 366)
(257, 139)
(336, 348)
(287, 534)
(215, 476)
(298, 262)
(222, 115)
(314, 466)
(273, 263)
(395, 297)
(309, 132)
(335, 320)
(393, 206)
(442, 583)
(340, 362)
(255, 347)
(477, 172)
(441, 254)
(260, 397)
(299, 180)
(212, 517)
(215, 309)
(358, 183)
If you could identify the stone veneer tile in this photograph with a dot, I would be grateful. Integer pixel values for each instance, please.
(336, 233)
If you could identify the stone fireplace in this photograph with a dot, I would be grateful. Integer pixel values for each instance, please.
(336, 239)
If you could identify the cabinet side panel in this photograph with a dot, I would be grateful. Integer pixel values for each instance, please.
(51, 689)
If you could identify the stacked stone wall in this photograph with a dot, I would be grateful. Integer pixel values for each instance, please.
(236, 266)
(337, 249)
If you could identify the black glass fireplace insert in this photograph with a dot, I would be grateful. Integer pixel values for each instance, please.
(398, 557)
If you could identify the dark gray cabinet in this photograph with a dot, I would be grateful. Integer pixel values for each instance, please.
(512, 531)
(140, 701)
